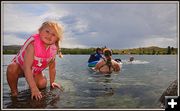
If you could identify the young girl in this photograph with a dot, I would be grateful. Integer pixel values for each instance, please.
(37, 53)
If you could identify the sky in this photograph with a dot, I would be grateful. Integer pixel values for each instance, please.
(114, 25)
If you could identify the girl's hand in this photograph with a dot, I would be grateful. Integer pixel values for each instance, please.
(53, 85)
(37, 94)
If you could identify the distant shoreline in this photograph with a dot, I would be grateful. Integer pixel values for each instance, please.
(153, 50)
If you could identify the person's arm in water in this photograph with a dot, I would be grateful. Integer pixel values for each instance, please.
(28, 62)
(116, 66)
(98, 65)
(52, 75)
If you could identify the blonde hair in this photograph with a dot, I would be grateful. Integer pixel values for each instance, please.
(59, 30)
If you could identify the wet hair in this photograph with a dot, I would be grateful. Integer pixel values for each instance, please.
(108, 53)
(59, 30)
(131, 58)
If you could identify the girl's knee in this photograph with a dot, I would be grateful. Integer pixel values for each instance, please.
(12, 68)
(42, 83)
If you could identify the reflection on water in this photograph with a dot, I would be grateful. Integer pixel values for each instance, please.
(23, 100)
(138, 85)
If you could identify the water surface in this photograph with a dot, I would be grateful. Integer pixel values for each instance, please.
(138, 84)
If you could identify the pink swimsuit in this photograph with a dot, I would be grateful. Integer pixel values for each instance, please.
(42, 55)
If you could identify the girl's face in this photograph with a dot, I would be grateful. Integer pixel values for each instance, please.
(48, 35)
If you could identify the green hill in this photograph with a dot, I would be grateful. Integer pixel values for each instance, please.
(153, 50)
(11, 49)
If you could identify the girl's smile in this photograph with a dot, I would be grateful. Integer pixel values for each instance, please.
(48, 36)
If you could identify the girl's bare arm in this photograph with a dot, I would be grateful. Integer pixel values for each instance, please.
(28, 62)
(52, 71)
(52, 75)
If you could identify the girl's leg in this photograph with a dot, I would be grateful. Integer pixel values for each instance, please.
(13, 72)
(40, 80)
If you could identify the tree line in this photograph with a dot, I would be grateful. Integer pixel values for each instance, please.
(139, 51)
(153, 50)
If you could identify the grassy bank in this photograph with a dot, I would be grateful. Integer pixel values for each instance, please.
(153, 50)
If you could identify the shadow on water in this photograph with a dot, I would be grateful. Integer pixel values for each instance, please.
(100, 85)
(109, 91)
(23, 100)
(96, 85)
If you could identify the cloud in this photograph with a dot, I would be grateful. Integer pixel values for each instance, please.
(12, 40)
(124, 25)
(95, 25)
(72, 43)
(159, 41)
(18, 20)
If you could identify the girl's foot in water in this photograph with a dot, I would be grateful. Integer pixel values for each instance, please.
(14, 93)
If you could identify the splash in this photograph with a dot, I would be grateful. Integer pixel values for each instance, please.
(135, 62)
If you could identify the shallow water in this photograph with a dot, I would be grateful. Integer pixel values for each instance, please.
(138, 85)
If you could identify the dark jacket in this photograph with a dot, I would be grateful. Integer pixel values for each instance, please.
(94, 57)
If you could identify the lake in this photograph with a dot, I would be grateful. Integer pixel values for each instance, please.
(138, 85)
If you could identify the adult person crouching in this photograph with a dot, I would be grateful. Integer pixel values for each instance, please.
(108, 64)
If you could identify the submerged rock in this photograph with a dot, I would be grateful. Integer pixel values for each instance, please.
(170, 91)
